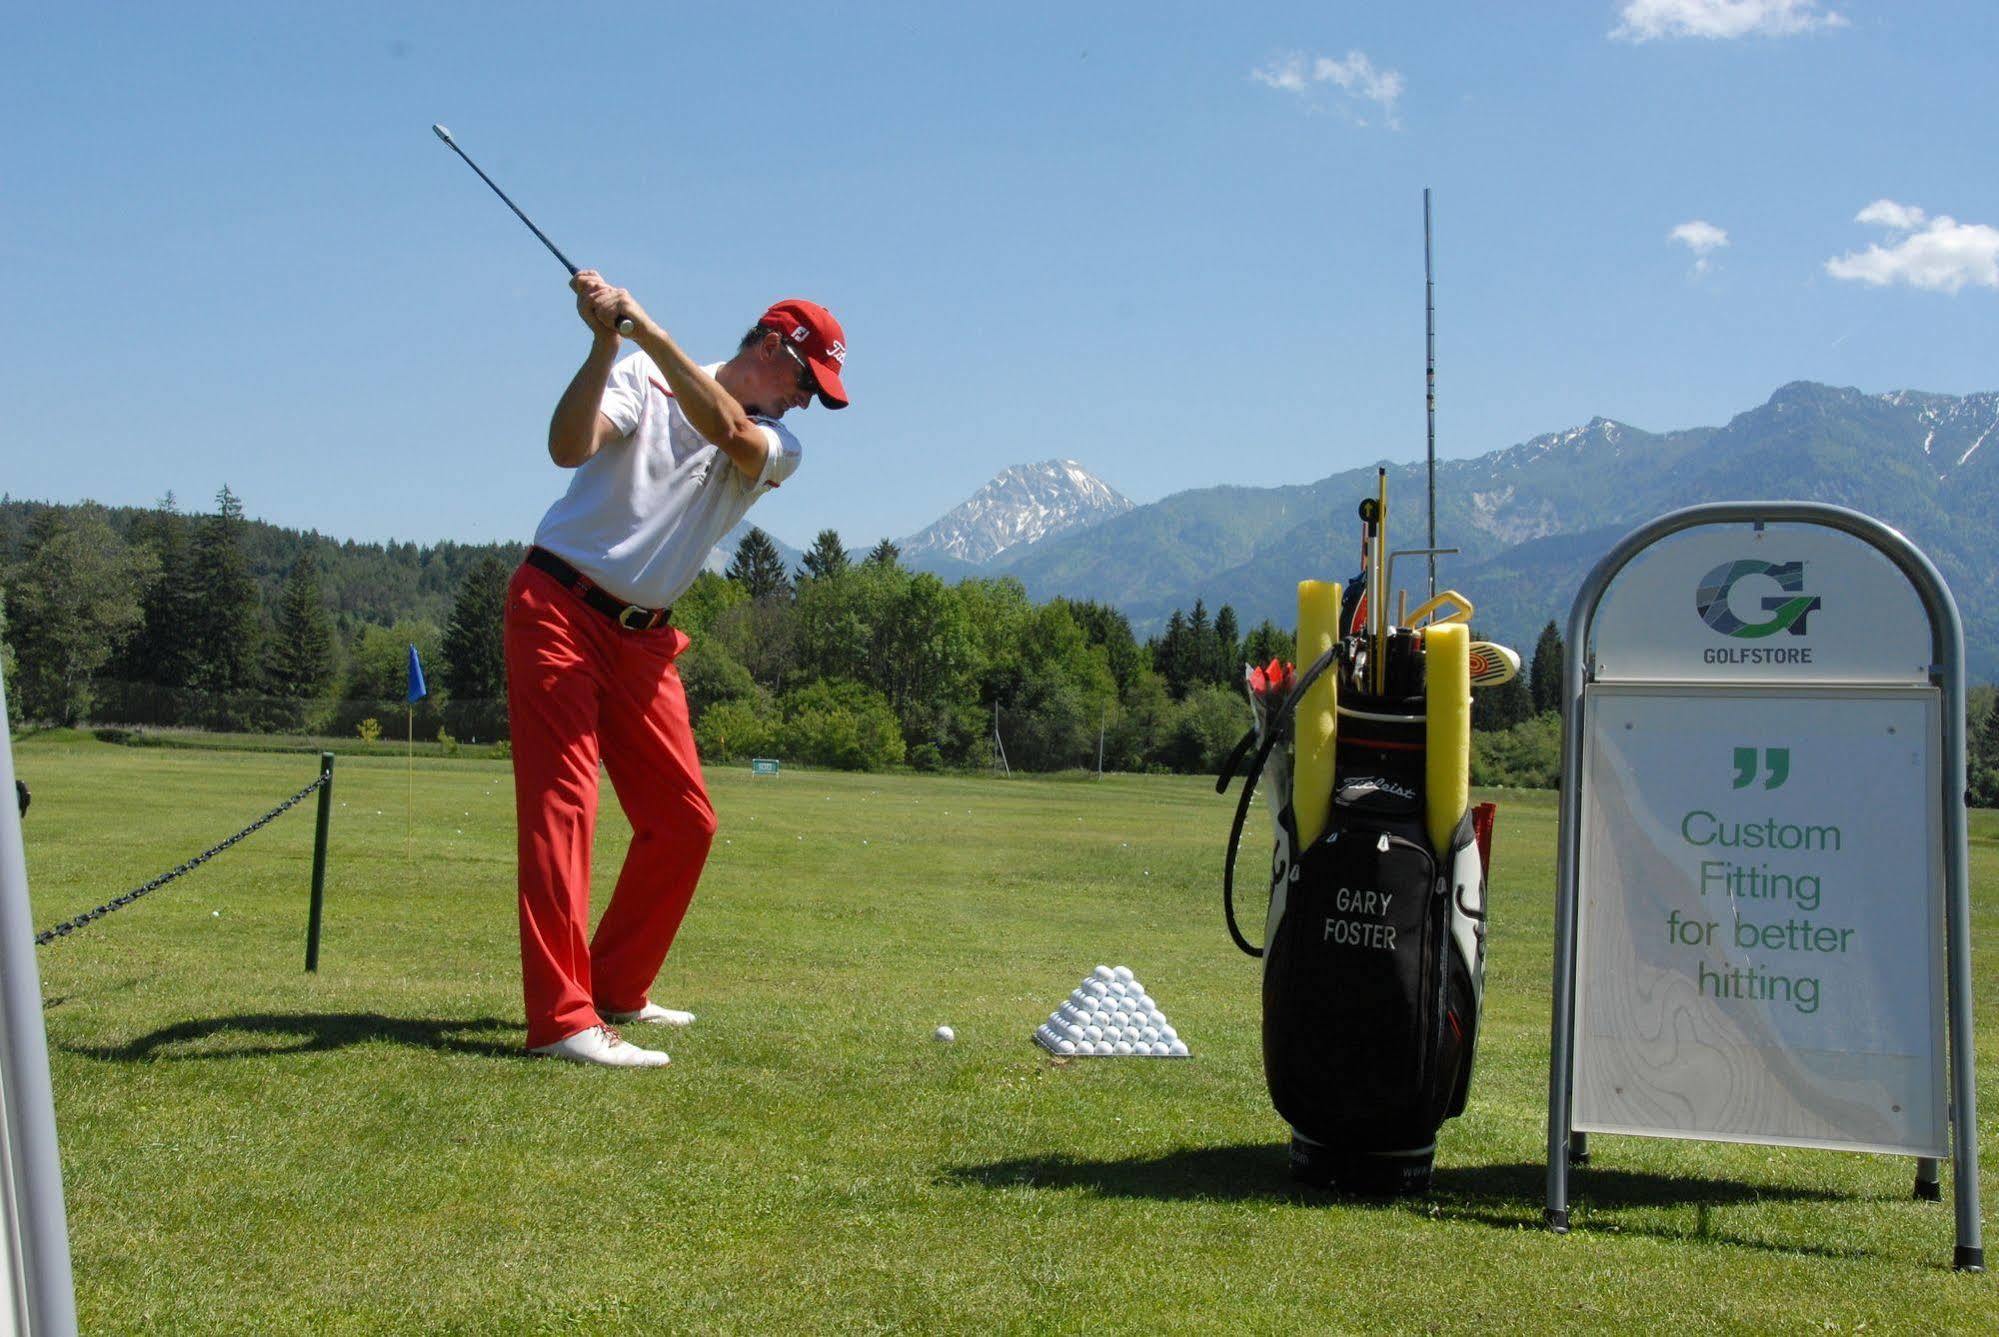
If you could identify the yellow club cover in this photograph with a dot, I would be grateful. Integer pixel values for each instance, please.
(1312, 757)
(1447, 729)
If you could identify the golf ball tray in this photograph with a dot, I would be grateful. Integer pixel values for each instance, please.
(1110, 1015)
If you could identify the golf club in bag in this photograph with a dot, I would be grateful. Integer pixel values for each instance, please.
(1373, 956)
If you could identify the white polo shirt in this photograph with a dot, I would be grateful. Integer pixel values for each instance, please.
(642, 514)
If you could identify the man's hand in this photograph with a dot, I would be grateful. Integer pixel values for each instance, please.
(603, 306)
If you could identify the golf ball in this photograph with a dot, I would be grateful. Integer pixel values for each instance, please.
(1155, 1016)
(1093, 1032)
(1121, 1047)
(1101, 1018)
(1121, 972)
(944, 1034)
(1178, 1049)
(1168, 1033)
(1149, 1033)
(1104, 973)
(1065, 1046)
(1133, 1034)
(1096, 988)
(1118, 988)
(1121, 1017)
(1073, 1031)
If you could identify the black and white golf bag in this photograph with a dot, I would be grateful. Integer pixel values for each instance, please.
(1373, 956)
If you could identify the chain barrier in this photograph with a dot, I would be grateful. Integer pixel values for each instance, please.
(71, 925)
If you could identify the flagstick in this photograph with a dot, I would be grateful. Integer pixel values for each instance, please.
(409, 806)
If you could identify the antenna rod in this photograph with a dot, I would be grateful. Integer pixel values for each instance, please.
(1430, 381)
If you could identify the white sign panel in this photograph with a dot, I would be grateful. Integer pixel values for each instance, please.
(1778, 603)
(1759, 955)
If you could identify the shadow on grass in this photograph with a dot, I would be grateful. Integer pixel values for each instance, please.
(269, 1034)
(1506, 1197)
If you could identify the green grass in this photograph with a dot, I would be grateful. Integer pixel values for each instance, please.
(248, 1148)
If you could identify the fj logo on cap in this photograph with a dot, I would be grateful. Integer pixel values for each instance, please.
(799, 334)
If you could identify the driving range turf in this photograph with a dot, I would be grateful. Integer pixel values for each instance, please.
(250, 1148)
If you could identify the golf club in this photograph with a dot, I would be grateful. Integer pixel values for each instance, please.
(1492, 664)
(624, 326)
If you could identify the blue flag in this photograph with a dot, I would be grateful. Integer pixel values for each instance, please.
(417, 690)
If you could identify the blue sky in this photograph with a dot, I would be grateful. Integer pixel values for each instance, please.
(1181, 244)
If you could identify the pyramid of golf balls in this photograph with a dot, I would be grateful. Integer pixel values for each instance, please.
(1110, 1015)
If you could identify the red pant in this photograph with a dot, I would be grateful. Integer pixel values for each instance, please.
(578, 684)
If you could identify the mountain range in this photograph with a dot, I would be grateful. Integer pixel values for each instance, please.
(1529, 520)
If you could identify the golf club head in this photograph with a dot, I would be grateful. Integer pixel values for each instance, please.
(441, 133)
(1492, 664)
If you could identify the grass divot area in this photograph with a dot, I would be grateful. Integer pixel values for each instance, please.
(247, 1148)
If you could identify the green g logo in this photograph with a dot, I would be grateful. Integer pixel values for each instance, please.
(1786, 613)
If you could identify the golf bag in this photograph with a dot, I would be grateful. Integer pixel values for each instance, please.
(1373, 956)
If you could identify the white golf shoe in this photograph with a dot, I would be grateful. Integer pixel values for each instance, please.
(604, 1047)
(652, 1014)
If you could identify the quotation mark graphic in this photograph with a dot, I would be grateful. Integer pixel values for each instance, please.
(1777, 759)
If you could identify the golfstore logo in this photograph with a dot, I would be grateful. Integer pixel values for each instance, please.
(1788, 610)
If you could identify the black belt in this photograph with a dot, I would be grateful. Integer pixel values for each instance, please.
(632, 617)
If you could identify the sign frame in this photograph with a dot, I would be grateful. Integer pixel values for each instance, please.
(40, 1295)
(1944, 671)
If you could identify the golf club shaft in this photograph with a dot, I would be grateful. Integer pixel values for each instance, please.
(624, 326)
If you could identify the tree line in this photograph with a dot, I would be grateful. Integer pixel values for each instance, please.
(162, 617)
(210, 620)
(214, 621)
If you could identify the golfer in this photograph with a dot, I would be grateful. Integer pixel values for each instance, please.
(666, 457)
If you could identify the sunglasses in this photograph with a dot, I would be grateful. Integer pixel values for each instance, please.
(807, 382)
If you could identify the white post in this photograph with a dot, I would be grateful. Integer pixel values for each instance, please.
(40, 1294)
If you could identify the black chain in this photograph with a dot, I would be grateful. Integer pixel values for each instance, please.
(71, 925)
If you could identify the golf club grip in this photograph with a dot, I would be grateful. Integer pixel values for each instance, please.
(625, 325)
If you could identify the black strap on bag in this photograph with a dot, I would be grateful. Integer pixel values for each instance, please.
(1277, 727)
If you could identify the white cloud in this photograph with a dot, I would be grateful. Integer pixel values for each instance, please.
(1939, 254)
(1286, 72)
(1354, 75)
(1895, 217)
(1648, 20)
(1702, 238)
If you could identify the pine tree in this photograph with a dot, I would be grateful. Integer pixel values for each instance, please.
(1170, 655)
(224, 631)
(1267, 642)
(1985, 761)
(758, 568)
(825, 558)
(76, 597)
(162, 651)
(1198, 656)
(298, 666)
(6, 644)
(1228, 653)
(1546, 671)
(1503, 706)
(885, 554)
(475, 661)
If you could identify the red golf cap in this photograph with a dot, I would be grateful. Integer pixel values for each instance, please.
(811, 330)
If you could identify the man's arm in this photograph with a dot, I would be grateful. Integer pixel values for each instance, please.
(578, 429)
(710, 409)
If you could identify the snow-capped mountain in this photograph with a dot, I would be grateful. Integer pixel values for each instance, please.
(1531, 519)
(1022, 506)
